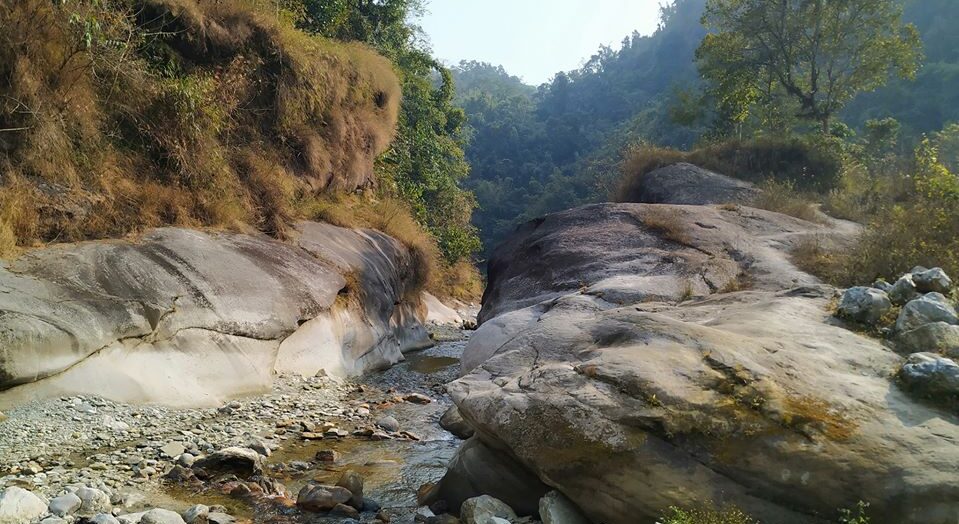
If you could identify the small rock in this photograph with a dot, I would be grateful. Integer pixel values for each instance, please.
(186, 460)
(342, 510)
(260, 447)
(161, 516)
(423, 514)
(18, 505)
(478, 510)
(173, 450)
(388, 423)
(555, 508)
(327, 455)
(353, 482)
(882, 285)
(933, 280)
(196, 514)
(65, 505)
(218, 517)
(929, 308)
(315, 497)
(103, 518)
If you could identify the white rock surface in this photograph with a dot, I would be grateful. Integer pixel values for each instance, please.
(19, 506)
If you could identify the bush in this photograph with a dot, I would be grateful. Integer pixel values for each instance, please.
(809, 164)
(783, 197)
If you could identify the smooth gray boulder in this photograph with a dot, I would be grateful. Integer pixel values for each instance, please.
(479, 510)
(685, 183)
(929, 308)
(161, 516)
(935, 337)
(903, 290)
(93, 501)
(19, 506)
(353, 482)
(933, 280)
(931, 375)
(555, 508)
(103, 317)
(864, 305)
(750, 397)
(65, 504)
(104, 518)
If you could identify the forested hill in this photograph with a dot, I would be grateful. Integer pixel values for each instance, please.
(536, 150)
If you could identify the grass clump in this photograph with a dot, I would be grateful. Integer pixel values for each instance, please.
(807, 163)
(781, 196)
(668, 223)
(706, 516)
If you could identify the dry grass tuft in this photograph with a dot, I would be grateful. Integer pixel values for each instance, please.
(668, 223)
(782, 197)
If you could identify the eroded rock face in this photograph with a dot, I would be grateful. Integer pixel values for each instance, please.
(685, 183)
(188, 317)
(754, 398)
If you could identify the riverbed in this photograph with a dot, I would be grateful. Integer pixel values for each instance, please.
(125, 449)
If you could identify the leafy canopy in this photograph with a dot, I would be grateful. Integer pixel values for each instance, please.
(814, 54)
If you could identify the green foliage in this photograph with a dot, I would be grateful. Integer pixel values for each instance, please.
(856, 516)
(814, 55)
(706, 516)
(425, 165)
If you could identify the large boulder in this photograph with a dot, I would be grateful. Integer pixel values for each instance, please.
(755, 398)
(933, 280)
(628, 253)
(903, 290)
(864, 305)
(161, 318)
(931, 375)
(929, 308)
(18, 506)
(685, 183)
(935, 337)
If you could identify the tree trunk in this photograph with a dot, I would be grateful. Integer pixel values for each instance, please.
(825, 124)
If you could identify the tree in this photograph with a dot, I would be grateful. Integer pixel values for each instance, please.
(815, 54)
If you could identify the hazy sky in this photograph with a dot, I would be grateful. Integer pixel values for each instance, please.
(533, 39)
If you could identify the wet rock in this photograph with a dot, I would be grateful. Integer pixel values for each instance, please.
(342, 510)
(65, 505)
(196, 514)
(316, 497)
(931, 375)
(555, 508)
(427, 493)
(161, 516)
(417, 398)
(903, 290)
(931, 307)
(388, 423)
(933, 280)
(242, 462)
(454, 422)
(18, 505)
(478, 510)
(865, 305)
(445, 518)
(353, 482)
(327, 455)
(93, 501)
(180, 474)
(423, 515)
(935, 337)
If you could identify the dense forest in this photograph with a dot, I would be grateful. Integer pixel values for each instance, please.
(539, 149)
